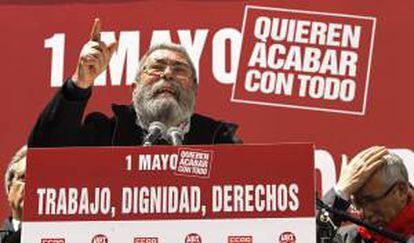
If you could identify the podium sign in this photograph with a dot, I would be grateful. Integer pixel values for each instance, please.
(166, 194)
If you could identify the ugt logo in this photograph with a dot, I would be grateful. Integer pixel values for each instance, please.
(193, 238)
(100, 238)
(287, 237)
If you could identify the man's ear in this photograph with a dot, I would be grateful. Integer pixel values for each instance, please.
(402, 192)
(9, 194)
(133, 87)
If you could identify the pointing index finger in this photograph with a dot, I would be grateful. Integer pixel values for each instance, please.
(96, 30)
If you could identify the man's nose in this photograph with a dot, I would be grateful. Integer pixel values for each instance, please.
(168, 73)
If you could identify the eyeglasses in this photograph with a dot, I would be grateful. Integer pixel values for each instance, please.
(19, 179)
(361, 202)
(159, 67)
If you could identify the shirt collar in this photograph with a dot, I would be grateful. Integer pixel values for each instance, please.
(16, 224)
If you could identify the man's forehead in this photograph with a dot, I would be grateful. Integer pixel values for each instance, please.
(20, 166)
(376, 183)
(168, 56)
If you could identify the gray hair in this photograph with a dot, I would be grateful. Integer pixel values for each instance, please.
(172, 47)
(11, 168)
(393, 170)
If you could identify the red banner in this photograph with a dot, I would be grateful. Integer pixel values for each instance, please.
(164, 183)
(267, 185)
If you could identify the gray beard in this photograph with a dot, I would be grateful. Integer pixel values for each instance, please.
(165, 108)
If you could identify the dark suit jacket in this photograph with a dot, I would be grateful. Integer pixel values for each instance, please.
(345, 234)
(7, 234)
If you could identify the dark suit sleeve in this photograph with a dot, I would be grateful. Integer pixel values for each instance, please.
(332, 199)
(324, 229)
(3, 236)
(60, 123)
(13, 237)
(226, 133)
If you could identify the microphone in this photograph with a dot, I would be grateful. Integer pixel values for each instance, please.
(175, 136)
(155, 130)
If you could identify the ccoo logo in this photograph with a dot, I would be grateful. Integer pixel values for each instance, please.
(287, 237)
(240, 239)
(145, 240)
(53, 240)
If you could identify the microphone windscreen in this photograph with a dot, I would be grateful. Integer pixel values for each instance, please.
(175, 135)
(156, 125)
(156, 129)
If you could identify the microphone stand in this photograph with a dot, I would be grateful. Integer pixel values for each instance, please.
(346, 217)
(175, 136)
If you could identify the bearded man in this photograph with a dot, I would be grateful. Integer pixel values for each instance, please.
(165, 91)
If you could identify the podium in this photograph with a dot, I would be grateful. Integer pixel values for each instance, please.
(166, 194)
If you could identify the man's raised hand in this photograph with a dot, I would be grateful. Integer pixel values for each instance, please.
(93, 59)
(361, 167)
